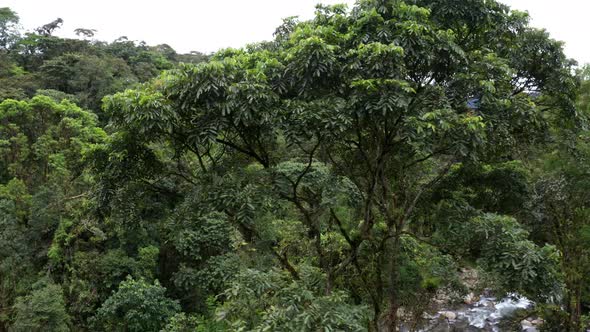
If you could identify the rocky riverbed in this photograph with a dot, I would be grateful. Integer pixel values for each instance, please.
(476, 313)
(482, 315)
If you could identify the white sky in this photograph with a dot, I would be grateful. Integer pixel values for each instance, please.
(208, 25)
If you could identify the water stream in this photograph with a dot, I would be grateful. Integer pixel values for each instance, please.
(488, 313)
(483, 315)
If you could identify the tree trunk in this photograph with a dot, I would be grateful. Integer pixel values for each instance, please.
(576, 310)
(329, 282)
(391, 320)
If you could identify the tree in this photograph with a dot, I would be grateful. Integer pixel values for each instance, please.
(89, 77)
(272, 302)
(46, 189)
(378, 97)
(42, 139)
(47, 29)
(8, 27)
(17, 272)
(136, 306)
(88, 33)
(42, 310)
(43, 191)
(561, 211)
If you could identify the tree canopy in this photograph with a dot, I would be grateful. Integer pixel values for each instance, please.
(342, 176)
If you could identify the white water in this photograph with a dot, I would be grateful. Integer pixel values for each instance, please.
(488, 311)
(484, 315)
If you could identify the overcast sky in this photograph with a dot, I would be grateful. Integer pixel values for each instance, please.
(206, 25)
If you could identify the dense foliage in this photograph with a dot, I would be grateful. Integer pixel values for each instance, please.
(338, 178)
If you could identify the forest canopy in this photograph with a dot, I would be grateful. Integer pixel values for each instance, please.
(347, 175)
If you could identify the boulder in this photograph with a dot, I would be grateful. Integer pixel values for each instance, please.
(448, 315)
(470, 298)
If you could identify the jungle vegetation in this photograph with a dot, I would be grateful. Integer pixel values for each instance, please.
(326, 180)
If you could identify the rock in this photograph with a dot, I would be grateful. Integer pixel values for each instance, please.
(428, 316)
(440, 326)
(490, 304)
(537, 322)
(402, 313)
(487, 292)
(462, 326)
(442, 298)
(448, 315)
(525, 323)
(470, 299)
(469, 277)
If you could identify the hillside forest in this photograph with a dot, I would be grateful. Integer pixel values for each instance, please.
(361, 171)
